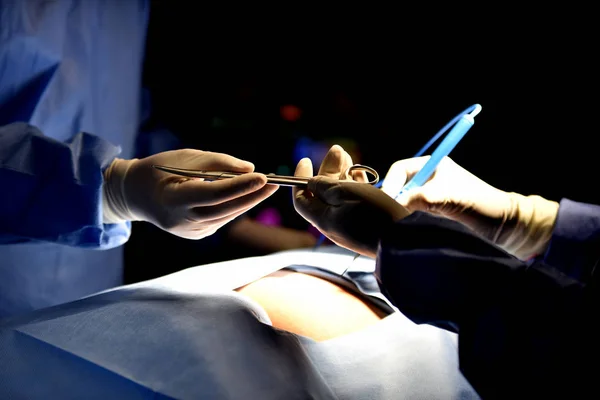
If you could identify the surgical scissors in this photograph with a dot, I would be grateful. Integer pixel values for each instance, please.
(294, 181)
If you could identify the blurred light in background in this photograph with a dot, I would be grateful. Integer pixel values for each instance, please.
(307, 147)
(269, 216)
(283, 170)
(290, 112)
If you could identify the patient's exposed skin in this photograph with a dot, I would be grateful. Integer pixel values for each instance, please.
(310, 306)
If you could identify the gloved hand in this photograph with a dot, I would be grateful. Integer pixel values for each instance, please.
(187, 207)
(351, 214)
(521, 225)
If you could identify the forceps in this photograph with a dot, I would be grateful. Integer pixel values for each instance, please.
(280, 180)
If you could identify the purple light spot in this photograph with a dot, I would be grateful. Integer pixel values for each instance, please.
(269, 217)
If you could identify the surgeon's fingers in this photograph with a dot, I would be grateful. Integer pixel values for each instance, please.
(421, 199)
(330, 191)
(308, 206)
(305, 169)
(219, 221)
(311, 209)
(198, 228)
(359, 176)
(210, 161)
(400, 173)
(435, 200)
(335, 163)
(407, 168)
(234, 205)
(200, 193)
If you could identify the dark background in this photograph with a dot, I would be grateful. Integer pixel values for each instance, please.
(221, 86)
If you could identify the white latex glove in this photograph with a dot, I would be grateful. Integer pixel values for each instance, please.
(351, 214)
(187, 207)
(521, 225)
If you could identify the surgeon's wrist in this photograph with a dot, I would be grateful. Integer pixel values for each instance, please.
(535, 218)
(114, 202)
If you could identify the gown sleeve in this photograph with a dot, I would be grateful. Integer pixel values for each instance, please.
(524, 328)
(51, 191)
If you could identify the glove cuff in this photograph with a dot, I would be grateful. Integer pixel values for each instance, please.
(535, 218)
(114, 203)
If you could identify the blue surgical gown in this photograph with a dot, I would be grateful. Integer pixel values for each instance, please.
(66, 67)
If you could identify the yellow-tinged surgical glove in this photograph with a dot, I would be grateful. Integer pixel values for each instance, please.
(187, 207)
(521, 225)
